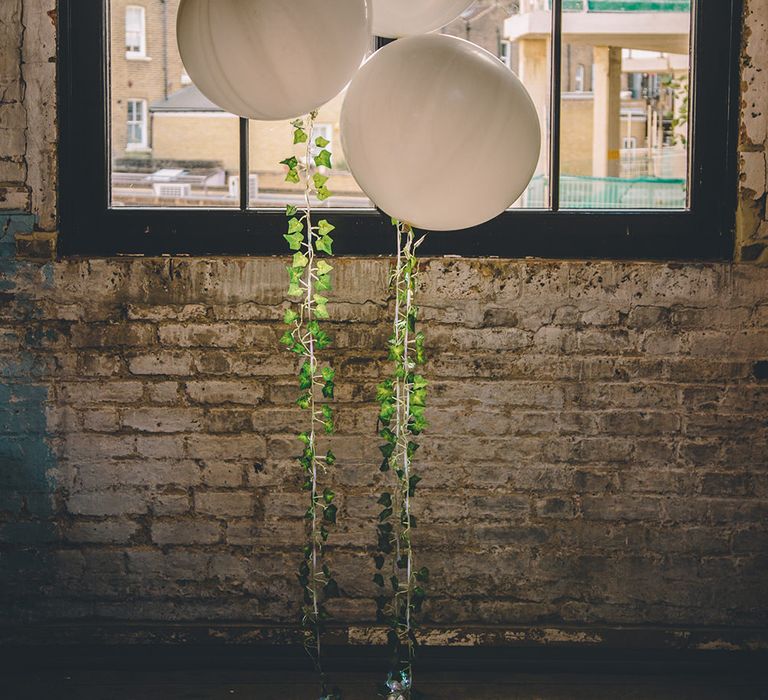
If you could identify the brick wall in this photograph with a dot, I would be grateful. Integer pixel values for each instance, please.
(597, 458)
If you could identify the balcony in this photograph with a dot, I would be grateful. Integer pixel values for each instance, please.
(647, 25)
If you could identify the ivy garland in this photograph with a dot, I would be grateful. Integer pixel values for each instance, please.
(402, 400)
(309, 278)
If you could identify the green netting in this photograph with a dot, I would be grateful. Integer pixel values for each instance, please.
(627, 5)
(639, 5)
(610, 193)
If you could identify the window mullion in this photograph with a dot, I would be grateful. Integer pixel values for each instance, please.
(245, 166)
(555, 102)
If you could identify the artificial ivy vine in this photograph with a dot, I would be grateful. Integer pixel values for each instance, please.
(309, 278)
(402, 400)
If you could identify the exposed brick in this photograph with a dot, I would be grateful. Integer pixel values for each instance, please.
(219, 392)
(106, 503)
(224, 503)
(185, 532)
(598, 439)
(163, 420)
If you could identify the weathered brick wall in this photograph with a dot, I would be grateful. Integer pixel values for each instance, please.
(598, 450)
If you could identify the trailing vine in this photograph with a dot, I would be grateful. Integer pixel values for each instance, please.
(309, 277)
(402, 401)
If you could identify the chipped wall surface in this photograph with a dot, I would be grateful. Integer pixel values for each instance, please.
(752, 226)
(596, 470)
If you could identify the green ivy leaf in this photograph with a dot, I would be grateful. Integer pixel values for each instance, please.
(324, 228)
(331, 590)
(329, 514)
(325, 244)
(321, 142)
(329, 374)
(300, 260)
(291, 210)
(323, 159)
(305, 376)
(385, 391)
(323, 268)
(323, 193)
(319, 180)
(287, 338)
(300, 136)
(323, 283)
(290, 317)
(294, 240)
(295, 226)
(330, 459)
(293, 177)
(321, 311)
(291, 162)
(322, 340)
(304, 401)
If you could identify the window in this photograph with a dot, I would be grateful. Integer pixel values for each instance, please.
(640, 163)
(135, 32)
(579, 79)
(136, 125)
(505, 53)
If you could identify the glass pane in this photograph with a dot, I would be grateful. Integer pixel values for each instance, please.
(170, 146)
(518, 32)
(624, 109)
(271, 142)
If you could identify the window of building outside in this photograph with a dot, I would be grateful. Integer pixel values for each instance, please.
(616, 125)
(136, 125)
(617, 42)
(135, 32)
(579, 83)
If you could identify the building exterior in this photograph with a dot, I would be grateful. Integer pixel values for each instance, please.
(145, 68)
(624, 97)
(624, 79)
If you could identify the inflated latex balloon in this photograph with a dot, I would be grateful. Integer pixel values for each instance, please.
(398, 18)
(272, 59)
(439, 133)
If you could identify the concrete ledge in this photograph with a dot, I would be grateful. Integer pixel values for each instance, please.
(628, 639)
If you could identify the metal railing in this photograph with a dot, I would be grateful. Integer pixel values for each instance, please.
(609, 193)
(609, 6)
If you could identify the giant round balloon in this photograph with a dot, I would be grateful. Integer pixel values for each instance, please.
(398, 18)
(272, 59)
(439, 133)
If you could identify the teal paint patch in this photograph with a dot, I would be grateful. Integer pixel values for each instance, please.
(12, 223)
(28, 524)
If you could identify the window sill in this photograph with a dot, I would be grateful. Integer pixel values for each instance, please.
(138, 149)
(137, 57)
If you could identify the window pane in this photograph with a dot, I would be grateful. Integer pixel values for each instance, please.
(502, 29)
(170, 146)
(624, 109)
(271, 142)
(134, 29)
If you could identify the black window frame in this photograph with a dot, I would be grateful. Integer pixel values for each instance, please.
(704, 232)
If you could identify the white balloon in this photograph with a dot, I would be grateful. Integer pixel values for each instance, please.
(272, 59)
(439, 133)
(399, 18)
